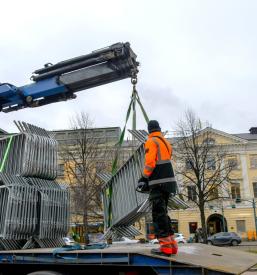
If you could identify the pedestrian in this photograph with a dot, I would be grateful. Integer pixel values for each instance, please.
(196, 236)
(158, 174)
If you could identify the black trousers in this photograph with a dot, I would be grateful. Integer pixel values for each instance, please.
(162, 224)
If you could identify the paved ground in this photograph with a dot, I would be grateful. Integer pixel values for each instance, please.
(249, 243)
(246, 246)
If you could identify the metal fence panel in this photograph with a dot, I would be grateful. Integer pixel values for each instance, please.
(34, 209)
(125, 206)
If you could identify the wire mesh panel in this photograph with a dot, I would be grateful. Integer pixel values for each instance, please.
(121, 201)
(122, 204)
(34, 209)
(32, 152)
(54, 208)
(18, 208)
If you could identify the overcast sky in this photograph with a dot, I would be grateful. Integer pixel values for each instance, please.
(200, 54)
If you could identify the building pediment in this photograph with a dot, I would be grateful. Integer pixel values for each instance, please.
(218, 137)
(224, 137)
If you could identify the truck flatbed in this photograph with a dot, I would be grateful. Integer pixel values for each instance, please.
(191, 259)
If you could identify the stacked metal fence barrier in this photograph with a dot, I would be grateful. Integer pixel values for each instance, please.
(32, 152)
(34, 209)
(122, 204)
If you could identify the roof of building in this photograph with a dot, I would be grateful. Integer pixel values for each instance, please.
(246, 136)
(88, 129)
(243, 137)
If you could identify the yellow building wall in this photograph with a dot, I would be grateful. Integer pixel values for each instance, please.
(252, 173)
(231, 215)
(244, 177)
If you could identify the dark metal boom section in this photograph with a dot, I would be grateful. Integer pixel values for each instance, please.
(60, 81)
(118, 58)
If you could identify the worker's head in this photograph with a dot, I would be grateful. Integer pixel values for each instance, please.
(153, 126)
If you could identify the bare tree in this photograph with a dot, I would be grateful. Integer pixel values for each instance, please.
(201, 164)
(84, 157)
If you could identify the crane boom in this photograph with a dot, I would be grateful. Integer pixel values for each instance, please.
(59, 82)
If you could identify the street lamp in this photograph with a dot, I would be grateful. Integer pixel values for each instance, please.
(223, 220)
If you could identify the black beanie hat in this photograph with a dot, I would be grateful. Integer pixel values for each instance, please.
(153, 126)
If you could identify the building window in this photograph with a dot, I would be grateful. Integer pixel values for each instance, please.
(233, 163)
(240, 226)
(192, 227)
(209, 141)
(191, 193)
(214, 193)
(235, 190)
(174, 225)
(255, 189)
(253, 161)
(60, 171)
(79, 169)
(210, 163)
(189, 164)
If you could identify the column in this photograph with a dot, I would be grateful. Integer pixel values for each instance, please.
(246, 184)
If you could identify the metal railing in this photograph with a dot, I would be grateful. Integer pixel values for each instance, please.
(34, 209)
(122, 204)
(33, 152)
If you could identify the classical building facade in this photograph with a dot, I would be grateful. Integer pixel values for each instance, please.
(107, 137)
(236, 211)
(104, 139)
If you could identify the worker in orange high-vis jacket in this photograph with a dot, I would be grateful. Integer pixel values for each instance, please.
(159, 175)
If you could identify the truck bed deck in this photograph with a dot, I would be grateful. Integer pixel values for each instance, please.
(216, 260)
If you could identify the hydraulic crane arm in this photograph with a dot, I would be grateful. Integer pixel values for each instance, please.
(59, 82)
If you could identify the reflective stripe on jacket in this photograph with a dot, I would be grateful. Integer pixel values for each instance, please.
(158, 152)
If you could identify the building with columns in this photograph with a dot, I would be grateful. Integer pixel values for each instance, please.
(226, 214)
(235, 212)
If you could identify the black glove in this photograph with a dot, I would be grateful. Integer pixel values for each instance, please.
(143, 179)
(142, 185)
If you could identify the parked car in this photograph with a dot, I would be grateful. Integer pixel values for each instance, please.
(68, 240)
(224, 238)
(178, 237)
(125, 240)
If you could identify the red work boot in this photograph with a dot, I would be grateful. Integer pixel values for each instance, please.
(168, 246)
(174, 244)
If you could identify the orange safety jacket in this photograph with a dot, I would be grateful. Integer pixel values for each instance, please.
(158, 152)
